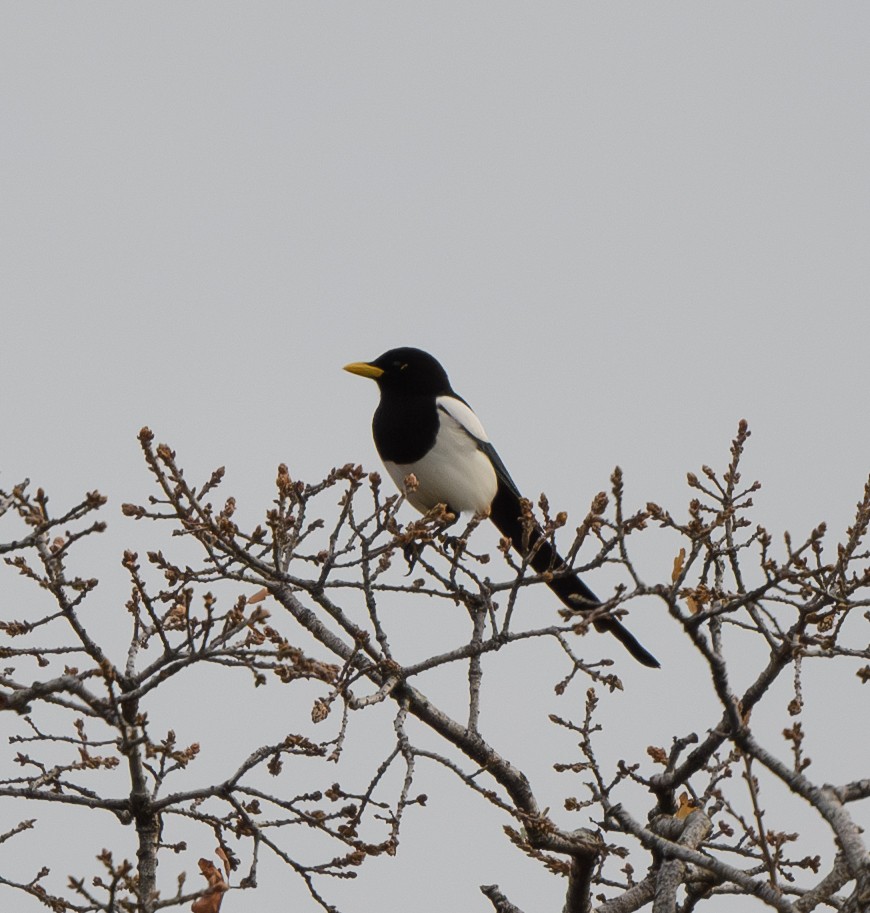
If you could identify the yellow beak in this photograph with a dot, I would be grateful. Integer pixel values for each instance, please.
(364, 369)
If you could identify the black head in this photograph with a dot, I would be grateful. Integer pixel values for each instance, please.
(405, 370)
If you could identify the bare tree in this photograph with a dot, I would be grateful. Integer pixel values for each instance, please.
(86, 736)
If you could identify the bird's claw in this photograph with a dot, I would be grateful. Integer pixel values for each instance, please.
(412, 554)
(453, 542)
(413, 550)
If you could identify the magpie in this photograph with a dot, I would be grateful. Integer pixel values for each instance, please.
(422, 426)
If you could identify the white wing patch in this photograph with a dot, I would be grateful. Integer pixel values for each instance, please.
(455, 472)
(463, 414)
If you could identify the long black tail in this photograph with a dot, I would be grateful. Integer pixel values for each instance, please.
(505, 513)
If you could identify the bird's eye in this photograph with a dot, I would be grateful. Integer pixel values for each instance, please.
(403, 366)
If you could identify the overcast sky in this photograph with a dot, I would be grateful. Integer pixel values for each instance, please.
(621, 227)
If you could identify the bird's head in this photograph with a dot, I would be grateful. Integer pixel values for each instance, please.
(405, 370)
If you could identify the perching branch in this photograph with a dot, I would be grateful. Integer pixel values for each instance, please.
(91, 731)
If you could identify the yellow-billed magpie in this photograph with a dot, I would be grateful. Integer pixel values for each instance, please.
(422, 426)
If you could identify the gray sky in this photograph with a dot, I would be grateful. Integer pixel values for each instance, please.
(621, 227)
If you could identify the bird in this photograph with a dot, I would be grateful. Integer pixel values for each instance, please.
(423, 427)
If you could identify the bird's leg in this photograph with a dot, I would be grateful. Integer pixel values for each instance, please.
(412, 554)
(459, 544)
(452, 542)
(447, 519)
(443, 517)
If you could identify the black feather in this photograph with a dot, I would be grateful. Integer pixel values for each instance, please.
(506, 514)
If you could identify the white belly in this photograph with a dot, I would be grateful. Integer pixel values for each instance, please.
(454, 472)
